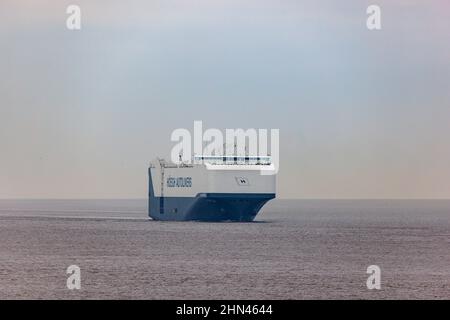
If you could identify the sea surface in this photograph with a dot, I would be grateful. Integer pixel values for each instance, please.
(296, 249)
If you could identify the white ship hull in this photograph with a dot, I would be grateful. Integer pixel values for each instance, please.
(208, 192)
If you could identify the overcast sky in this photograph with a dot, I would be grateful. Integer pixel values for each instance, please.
(362, 114)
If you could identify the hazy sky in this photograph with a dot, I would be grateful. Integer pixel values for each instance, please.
(362, 114)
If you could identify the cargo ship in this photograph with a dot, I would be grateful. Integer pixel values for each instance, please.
(210, 188)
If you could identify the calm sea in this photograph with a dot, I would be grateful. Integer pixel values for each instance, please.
(296, 249)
